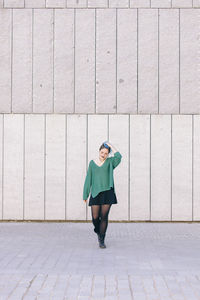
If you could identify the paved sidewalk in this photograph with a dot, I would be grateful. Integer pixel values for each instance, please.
(142, 261)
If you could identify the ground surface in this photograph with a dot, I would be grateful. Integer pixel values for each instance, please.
(151, 261)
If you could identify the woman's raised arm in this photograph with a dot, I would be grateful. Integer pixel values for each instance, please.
(112, 147)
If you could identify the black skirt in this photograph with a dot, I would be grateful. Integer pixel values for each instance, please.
(104, 197)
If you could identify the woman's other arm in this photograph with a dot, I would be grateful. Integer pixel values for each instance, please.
(87, 183)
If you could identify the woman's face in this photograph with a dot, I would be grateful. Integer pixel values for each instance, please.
(103, 153)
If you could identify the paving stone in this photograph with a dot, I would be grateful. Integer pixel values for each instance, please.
(160, 265)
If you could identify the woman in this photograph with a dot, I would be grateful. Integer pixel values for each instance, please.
(100, 178)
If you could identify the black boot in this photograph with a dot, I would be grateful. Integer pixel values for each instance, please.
(98, 236)
(101, 240)
(96, 223)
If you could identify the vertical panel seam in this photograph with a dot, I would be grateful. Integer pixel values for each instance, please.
(32, 52)
(2, 165)
(11, 58)
(86, 156)
(129, 216)
(116, 53)
(192, 167)
(131, 135)
(23, 166)
(108, 126)
(150, 171)
(66, 119)
(53, 50)
(171, 161)
(74, 52)
(95, 25)
(179, 60)
(137, 54)
(158, 59)
(44, 166)
(198, 51)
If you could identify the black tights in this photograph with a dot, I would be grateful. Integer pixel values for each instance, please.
(100, 217)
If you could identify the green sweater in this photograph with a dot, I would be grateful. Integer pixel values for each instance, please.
(100, 178)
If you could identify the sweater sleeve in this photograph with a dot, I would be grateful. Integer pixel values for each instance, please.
(87, 183)
(116, 159)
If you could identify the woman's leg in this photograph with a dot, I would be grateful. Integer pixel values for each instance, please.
(95, 217)
(105, 208)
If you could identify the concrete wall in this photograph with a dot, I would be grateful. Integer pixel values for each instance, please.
(44, 160)
(75, 73)
(131, 61)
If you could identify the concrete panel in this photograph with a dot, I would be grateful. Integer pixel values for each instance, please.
(196, 3)
(1, 166)
(56, 3)
(13, 166)
(97, 134)
(85, 61)
(161, 3)
(14, 3)
(22, 61)
(182, 3)
(5, 59)
(181, 167)
(76, 4)
(196, 169)
(139, 167)
(119, 138)
(64, 61)
(35, 3)
(34, 167)
(97, 3)
(119, 3)
(189, 61)
(139, 3)
(127, 61)
(43, 61)
(55, 167)
(148, 61)
(76, 166)
(169, 61)
(161, 167)
(106, 61)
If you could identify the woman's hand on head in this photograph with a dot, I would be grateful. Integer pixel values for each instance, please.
(108, 144)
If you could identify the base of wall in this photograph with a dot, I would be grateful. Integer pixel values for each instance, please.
(89, 221)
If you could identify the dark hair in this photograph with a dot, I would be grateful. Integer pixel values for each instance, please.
(102, 147)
